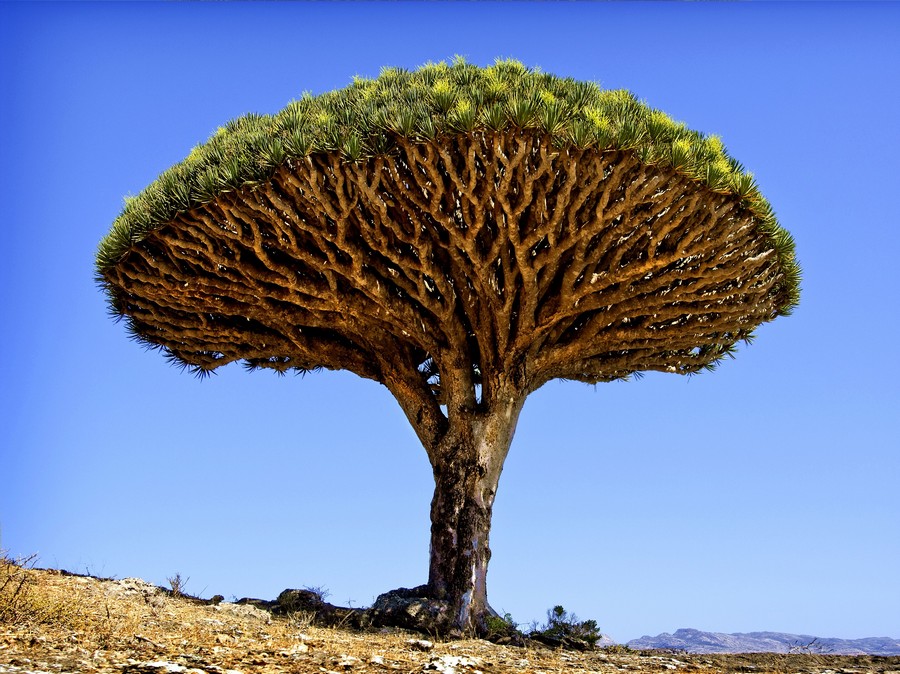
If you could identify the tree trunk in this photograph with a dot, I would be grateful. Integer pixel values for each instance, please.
(467, 465)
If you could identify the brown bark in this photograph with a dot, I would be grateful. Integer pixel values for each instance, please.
(467, 466)
(485, 249)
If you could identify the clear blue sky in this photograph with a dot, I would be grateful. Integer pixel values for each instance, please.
(763, 496)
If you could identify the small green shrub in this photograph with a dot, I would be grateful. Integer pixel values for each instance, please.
(567, 631)
(498, 627)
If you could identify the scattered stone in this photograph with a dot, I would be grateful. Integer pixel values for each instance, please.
(133, 586)
(450, 664)
(311, 603)
(346, 661)
(158, 667)
(291, 601)
(245, 611)
(420, 644)
(410, 609)
(294, 651)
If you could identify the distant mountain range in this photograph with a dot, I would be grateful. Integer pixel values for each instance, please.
(695, 641)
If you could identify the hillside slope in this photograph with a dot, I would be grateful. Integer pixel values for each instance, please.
(51, 621)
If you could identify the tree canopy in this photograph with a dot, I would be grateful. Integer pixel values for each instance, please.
(406, 120)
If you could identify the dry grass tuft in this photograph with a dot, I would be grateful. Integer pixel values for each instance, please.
(25, 600)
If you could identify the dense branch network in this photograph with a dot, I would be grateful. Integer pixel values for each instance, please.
(451, 264)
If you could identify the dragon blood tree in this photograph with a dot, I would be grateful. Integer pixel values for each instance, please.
(461, 235)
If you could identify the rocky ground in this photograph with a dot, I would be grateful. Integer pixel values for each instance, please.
(54, 622)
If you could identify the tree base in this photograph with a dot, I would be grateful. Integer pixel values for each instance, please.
(413, 609)
(404, 608)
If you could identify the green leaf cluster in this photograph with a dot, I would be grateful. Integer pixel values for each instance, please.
(370, 116)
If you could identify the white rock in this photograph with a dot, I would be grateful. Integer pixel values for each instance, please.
(449, 664)
(347, 661)
(160, 666)
(244, 611)
(420, 644)
(299, 649)
(136, 586)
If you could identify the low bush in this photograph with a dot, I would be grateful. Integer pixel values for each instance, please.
(565, 630)
(502, 628)
(21, 598)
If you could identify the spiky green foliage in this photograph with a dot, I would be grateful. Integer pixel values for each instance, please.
(366, 118)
